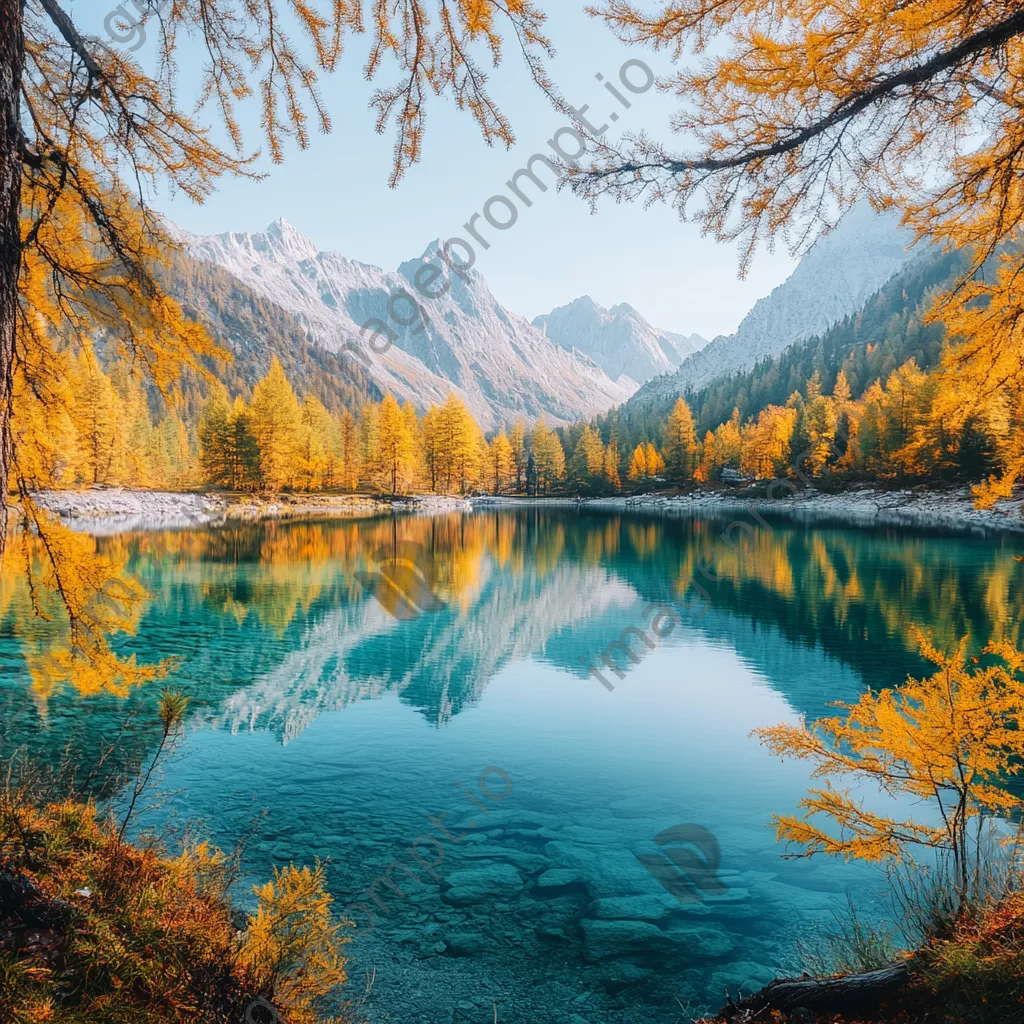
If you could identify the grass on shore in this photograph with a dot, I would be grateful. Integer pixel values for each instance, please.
(94, 930)
(973, 973)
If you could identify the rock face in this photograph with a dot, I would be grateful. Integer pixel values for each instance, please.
(461, 340)
(835, 278)
(619, 339)
(604, 940)
(480, 885)
(638, 908)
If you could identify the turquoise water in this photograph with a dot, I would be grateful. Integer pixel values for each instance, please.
(412, 699)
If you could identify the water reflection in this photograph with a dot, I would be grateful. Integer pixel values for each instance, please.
(292, 619)
(455, 642)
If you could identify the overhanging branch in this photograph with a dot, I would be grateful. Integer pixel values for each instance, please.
(987, 39)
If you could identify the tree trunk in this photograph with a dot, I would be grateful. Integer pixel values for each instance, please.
(12, 56)
(851, 993)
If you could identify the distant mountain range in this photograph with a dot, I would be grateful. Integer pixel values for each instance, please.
(836, 278)
(619, 339)
(495, 360)
(274, 293)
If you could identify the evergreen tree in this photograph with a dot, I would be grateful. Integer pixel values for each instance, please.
(679, 447)
(276, 423)
(216, 438)
(501, 463)
(244, 451)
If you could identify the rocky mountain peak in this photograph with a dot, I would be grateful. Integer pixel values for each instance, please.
(834, 279)
(456, 338)
(620, 340)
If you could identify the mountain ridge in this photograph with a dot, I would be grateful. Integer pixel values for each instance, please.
(460, 339)
(839, 273)
(619, 339)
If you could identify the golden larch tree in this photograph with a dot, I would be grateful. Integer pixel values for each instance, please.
(679, 443)
(953, 738)
(348, 445)
(795, 112)
(315, 428)
(87, 136)
(394, 457)
(276, 426)
(501, 465)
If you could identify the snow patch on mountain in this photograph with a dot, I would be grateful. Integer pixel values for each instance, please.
(619, 339)
(840, 272)
(461, 339)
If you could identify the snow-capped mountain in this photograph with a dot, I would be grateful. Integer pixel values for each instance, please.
(836, 277)
(496, 361)
(619, 339)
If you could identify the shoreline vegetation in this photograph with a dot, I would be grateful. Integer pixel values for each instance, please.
(117, 509)
(106, 378)
(99, 929)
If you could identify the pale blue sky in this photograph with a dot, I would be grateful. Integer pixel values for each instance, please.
(336, 193)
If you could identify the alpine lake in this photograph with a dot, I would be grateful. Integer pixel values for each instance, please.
(520, 738)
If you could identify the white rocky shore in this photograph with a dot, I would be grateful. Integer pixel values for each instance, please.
(107, 510)
(951, 509)
(110, 510)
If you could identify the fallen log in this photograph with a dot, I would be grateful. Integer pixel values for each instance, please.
(22, 900)
(854, 993)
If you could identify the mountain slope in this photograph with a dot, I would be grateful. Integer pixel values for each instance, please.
(835, 278)
(619, 339)
(500, 364)
(254, 329)
(868, 345)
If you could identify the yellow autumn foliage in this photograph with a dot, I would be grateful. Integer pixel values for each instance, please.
(951, 740)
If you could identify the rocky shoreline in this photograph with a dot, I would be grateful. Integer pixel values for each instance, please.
(951, 509)
(110, 510)
(106, 510)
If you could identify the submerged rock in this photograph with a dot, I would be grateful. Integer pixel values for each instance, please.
(561, 878)
(605, 940)
(480, 885)
(467, 944)
(618, 976)
(700, 941)
(531, 863)
(638, 908)
(740, 978)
